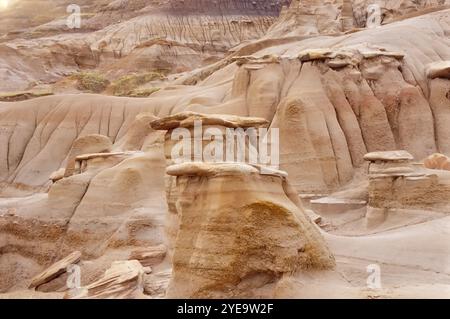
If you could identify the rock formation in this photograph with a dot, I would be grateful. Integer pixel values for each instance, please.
(123, 280)
(396, 184)
(84, 145)
(437, 161)
(239, 232)
(217, 202)
(124, 37)
(218, 123)
(87, 172)
(55, 270)
(149, 256)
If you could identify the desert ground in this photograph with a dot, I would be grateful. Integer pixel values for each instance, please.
(351, 97)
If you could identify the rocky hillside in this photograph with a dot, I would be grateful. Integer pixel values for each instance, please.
(122, 37)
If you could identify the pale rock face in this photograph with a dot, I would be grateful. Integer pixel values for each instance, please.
(120, 205)
(156, 284)
(308, 18)
(111, 201)
(394, 10)
(312, 17)
(241, 233)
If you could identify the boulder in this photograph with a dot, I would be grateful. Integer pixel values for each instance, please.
(124, 280)
(437, 161)
(55, 270)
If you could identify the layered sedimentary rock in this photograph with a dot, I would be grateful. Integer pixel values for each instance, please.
(104, 202)
(239, 232)
(84, 145)
(365, 94)
(55, 270)
(190, 131)
(149, 256)
(123, 37)
(394, 10)
(124, 280)
(312, 17)
(308, 17)
(395, 184)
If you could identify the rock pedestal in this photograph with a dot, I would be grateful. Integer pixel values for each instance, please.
(185, 122)
(395, 183)
(240, 226)
(239, 232)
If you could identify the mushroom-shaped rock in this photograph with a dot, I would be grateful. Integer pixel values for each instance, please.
(93, 143)
(239, 231)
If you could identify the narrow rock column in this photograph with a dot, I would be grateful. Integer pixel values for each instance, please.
(347, 16)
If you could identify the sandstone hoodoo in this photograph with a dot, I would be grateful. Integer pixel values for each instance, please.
(227, 148)
(395, 184)
(239, 232)
(216, 138)
(213, 138)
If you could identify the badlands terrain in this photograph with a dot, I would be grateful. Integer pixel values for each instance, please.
(93, 204)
